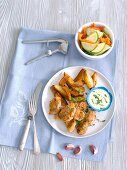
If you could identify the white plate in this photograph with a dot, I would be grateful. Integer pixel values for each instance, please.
(58, 125)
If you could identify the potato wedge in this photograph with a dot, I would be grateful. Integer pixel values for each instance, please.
(74, 93)
(80, 90)
(70, 81)
(57, 94)
(63, 81)
(77, 91)
(61, 91)
(79, 83)
(53, 90)
(79, 77)
(66, 89)
(77, 99)
(94, 77)
(88, 79)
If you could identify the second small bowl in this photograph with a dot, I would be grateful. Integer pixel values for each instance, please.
(94, 57)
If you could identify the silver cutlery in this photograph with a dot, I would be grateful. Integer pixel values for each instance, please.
(32, 111)
(62, 48)
(60, 40)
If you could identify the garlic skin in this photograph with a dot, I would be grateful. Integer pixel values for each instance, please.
(69, 147)
(59, 156)
(93, 149)
(77, 150)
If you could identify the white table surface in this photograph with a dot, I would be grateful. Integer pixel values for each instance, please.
(67, 16)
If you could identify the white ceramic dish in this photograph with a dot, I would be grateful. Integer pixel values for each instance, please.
(58, 125)
(107, 30)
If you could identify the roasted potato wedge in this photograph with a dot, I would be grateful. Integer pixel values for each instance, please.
(94, 77)
(61, 91)
(77, 91)
(74, 93)
(53, 90)
(79, 77)
(88, 79)
(63, 81)
(70, 81)
(79, 83)
(66, 89)
(77, 99)
(57, 94)
(80, 90)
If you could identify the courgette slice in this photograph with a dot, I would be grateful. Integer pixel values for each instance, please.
(89, 31)
(93, 37)
(88, 47)
(99, 48)
(106, 48)
(100, 34)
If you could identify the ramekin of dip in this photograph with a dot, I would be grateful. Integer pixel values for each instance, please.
(99, 99)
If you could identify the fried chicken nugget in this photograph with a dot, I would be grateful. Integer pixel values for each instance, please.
(79, 115)
(83, 105)
(91, 117)
(71, 125)
(55, 105)
(67, 113)
(82, 127)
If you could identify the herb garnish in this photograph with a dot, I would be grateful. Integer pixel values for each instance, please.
(77, 122)
(87, 110)
(100, 120)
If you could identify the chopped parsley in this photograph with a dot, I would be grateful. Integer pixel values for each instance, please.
(77, 122)
(100, 120)
(73, 99)
(87, 110)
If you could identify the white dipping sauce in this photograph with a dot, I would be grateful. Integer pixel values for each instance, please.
(99, 99)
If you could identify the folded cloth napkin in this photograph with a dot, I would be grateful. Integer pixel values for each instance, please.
(23, 79)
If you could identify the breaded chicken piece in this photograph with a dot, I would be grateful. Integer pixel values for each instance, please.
(67, 113)
(79, 115)
(86, 122)
(82, 127)
(83, 105)
(71, 125)
(91, 117)
(55, 105)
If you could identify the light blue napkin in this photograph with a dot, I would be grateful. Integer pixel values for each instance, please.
(23, 79)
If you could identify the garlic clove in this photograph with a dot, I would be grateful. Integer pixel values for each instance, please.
(59, 156)
(69, 147)
(77, 150)
(93, 149)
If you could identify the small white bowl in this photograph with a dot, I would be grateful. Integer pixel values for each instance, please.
(92, 57)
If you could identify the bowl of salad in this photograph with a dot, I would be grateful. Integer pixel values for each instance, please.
(94, 40)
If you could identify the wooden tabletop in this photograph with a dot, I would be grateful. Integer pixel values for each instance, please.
(66, 16)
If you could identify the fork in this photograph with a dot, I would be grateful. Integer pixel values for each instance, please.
(33, 111)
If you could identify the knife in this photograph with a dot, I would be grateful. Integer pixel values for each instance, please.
(34, 99)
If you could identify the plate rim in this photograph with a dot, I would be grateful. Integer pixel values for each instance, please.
(79, 137)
